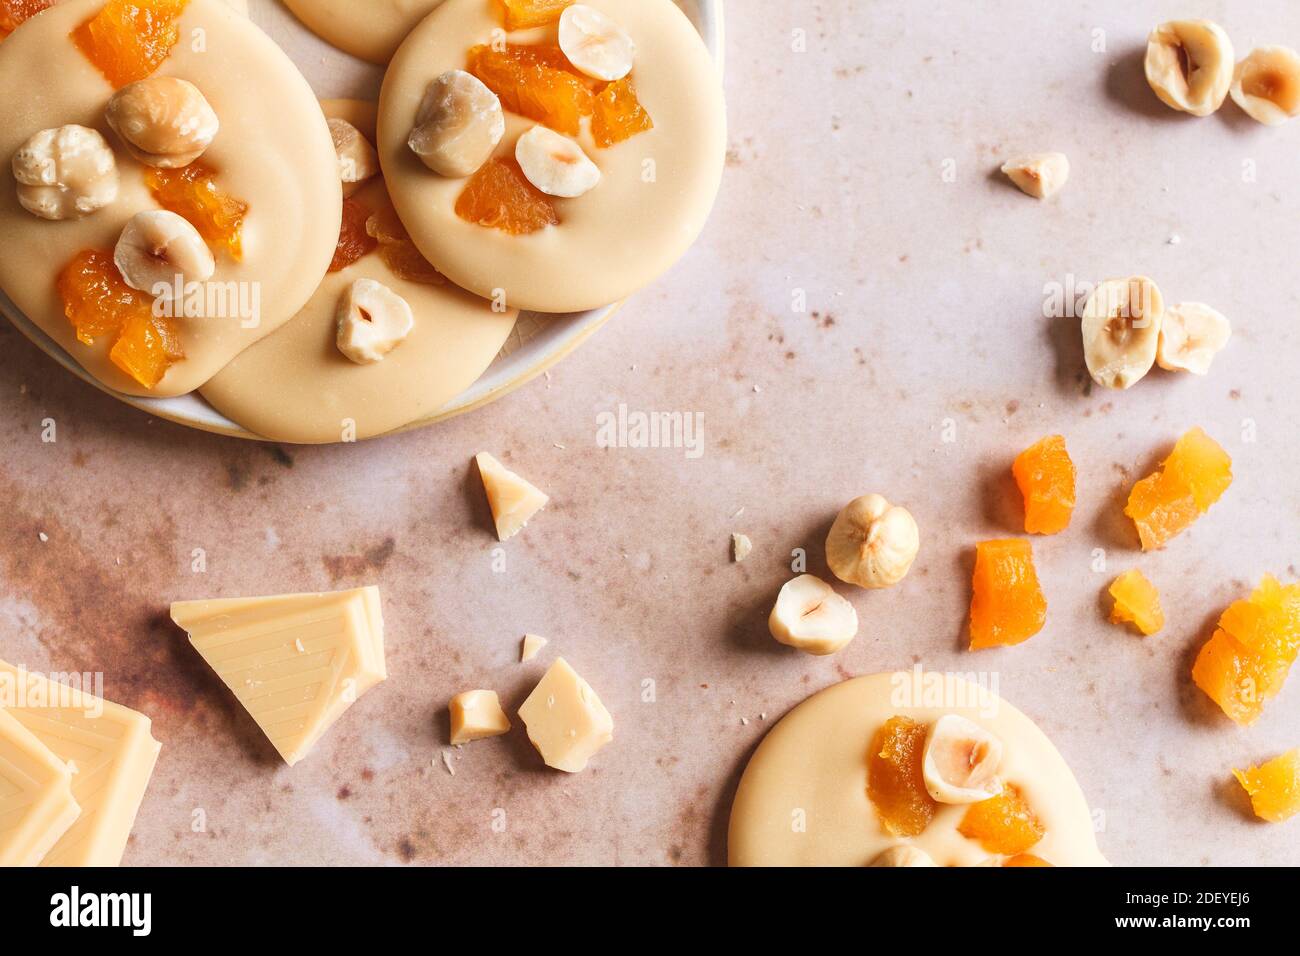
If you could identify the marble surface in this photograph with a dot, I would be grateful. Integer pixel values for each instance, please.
(923, 322)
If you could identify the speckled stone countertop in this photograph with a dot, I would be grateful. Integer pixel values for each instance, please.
(921, 365)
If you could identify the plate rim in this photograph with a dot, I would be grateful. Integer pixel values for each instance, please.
(193, 411)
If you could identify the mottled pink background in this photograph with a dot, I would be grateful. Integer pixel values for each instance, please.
(924, 309)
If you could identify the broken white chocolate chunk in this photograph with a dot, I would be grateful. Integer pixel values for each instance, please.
(1121, 330)
(565, 719)
(156, 247)
(903, 855)
(1267, 84)
(1189, 65)
(1191, 334)
(164, 121)
(531, 647)
(513, 500)
(595, 44)
(358, 160)
(476, 714)
(458, 125)
(65, 173)
(741, 546)
(1040, 175)
(372, 321)
(555, 164)
(960, 761)
(294, 697)
(810, 616)
(872, 543)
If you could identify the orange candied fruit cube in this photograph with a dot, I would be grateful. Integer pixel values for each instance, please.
(1246, 661)
(499, 197)
(1045, 475)
(1193, 477)
(618, 114)
(1137, 602)
(192, 193)
(895, 784)
(355, 240)
(398, 251)
(13, 13)
(1274, 787)
(1026, 859)
(99, 303)
(525, 14)
(1003, 824)
(1007, 606)
(128, 39)
(536, 82)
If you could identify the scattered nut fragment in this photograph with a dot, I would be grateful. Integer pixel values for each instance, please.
(358, 160)
(903, 855)
(157, 247)
(1121, 330)
(531, 647)
(1267, 84)
(164, 121)
(960, 762)
(458, 125)
(1191, 334)
(740, 547)
(372, 321)
(1189, 65)
(1040, 175)
(555, 164)
(810, 616)
(595, 44)
(872, 543)
(476, 714)
(65, 173)
(513, 499)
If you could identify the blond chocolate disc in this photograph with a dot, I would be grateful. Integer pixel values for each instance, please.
(656, 188)
(803, 798)
(273, 151)
(296, 386)
(369, 29)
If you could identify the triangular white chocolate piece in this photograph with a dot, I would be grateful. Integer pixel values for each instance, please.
(296, 661)
(36, 803)
(107, 748)
(513, 500)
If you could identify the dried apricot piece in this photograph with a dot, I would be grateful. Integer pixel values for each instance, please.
(1026, 859)
(128, 39)
(1003, 824)
(397, 250)
(525, 14)
(1137, 602)
(1274, 787)
(192, 193)
(1194, 476)
(99, 303)
(895, 782)
(1007, 606)
(1246, 661)
(618, 115)
(534, 81)
(499, 197)
(1045, 475)
(355, 240)
(15, 12)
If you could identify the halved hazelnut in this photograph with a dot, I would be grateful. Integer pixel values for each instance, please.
(961, 760)
(1189, 65)
(458, 125)
(1267, 84)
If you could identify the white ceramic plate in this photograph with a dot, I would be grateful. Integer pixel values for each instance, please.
(538, 341)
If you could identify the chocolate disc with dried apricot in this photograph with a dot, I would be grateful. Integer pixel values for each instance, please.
(626, 141)
(263, 191)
